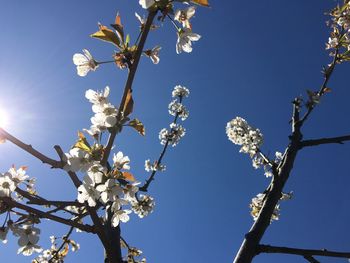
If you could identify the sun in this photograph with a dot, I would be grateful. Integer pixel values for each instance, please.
(3, 118)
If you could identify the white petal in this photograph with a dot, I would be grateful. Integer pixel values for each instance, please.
(106, 92)
(80, 59)
(87, 54)
(83, 70)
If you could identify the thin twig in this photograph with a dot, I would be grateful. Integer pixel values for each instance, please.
(144, 188)
(41, 214)
(327, 76)
(65, 239)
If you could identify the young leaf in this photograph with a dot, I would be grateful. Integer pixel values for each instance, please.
(82, 143)
(119, 28)
(201, 2)
(128, 105)
(138, 126)
(128, 176)
(65, 251)
(127, 40)
(326, 90)
(106, 34)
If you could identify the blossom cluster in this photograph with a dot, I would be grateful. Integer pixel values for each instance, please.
(105, 113)
(340, 36)
(185, 36)
(103, 187)
(12, 178)
(258, 202)
(173, 135)
(24, 229)
(27, 233)
(241, 133)
(54, 255)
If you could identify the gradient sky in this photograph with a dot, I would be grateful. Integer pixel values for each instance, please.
(253, 59)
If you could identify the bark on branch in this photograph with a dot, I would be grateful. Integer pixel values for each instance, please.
(29, 149)
(302, 252)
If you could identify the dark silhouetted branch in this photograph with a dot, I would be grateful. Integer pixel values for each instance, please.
(302, 252)
(339, 140)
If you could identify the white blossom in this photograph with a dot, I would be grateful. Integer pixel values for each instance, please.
(240, 133)
(332, 43)
(143, 206)
(120, 161)
(96, 97)
(278, 157)
(130, 191)
(256, 205)
(146, 3)
(257, 161)
(105, 115)
(184, 40)
(180, 91)
(120, 215)
(77, 159)
(87, 192)
(28, 239)
(97, 172)
(177, 108)
(109, 191)
(173, 135)
(155, 166)
(184, 16)
(153, 54)
(84, 62)
(18, 175)
(7, 186)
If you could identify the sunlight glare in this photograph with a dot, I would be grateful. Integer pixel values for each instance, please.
(3, 118)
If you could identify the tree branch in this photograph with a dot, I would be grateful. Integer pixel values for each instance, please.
(38, 200)
(302, 252)
(29, 149)
(12, 203)
(144, 188)
(311, 259)
(129, 82)
(71, 174)
(339, 140)
(327, 75)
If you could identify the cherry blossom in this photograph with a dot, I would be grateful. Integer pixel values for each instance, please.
(180, 91)
(120, 161)
(184, 40)
(84, 62)
(184, 16)
(7, 185)
(109, 191)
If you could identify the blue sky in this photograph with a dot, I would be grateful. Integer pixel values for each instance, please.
(253, 59)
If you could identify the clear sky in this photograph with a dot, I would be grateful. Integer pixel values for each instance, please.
(253, 59)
